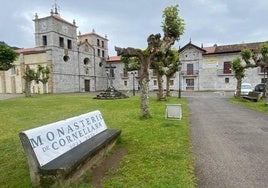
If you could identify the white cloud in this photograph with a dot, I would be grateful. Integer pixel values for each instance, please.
(129, 23)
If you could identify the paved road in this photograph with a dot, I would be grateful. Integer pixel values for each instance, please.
(8, 96)
(230, 143)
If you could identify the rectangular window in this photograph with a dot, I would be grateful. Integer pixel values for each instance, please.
(171, 82)
(102, 53)
(190, 69)
(102, 44)
(227, 67)
(125, 73)
(155, 82)
(69, 43)
(263, 80)
(61, 42)
(98, 42)
(227, 80)
(263, 69)
(99, 52)
(125, 83)
(44, 40)
(112, 73)
(189, 84)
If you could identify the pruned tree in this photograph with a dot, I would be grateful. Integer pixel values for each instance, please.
(239, 73)
(131, 64)
(7, 57)
(173, 28)
(158, 65)
(252, 59)
(264, 62)
(30, 75)
(165, 65)
(43, 76)
(172, 66)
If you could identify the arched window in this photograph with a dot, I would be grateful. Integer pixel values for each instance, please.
(86, 61)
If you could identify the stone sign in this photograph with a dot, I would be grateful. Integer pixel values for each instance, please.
(52, 140)
(173, 111)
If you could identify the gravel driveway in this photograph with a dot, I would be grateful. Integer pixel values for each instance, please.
(230, 143)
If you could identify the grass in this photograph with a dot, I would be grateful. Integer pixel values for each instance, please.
(159, 149)
(259, 106)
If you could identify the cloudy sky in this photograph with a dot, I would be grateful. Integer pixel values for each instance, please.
(128, 23)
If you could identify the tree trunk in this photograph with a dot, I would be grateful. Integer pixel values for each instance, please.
(238, 86)
(27, 88)
(145, 62)
(44, 88)
(160, 95)
(145, 98)
(144, 82)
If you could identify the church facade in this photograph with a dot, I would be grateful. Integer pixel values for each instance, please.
(76, 62)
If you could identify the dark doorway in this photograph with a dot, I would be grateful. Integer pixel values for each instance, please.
(190, 84)
(87, 85)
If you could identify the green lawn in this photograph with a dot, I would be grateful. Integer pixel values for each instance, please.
(159, 149)
(259, 106)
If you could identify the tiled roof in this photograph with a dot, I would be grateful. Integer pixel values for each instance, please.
(226, 48)
(210, 50)
(62, 20)
(93, 33)
(24, 50)
(114, 59)
(30, 50)
(190, 44)
(233, 48)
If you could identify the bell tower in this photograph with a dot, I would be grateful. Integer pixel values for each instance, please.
(58, 38)
(54, 31)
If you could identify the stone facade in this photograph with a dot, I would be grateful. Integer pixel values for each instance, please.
(80, 63)
(76, 62)
(213, 67)
(127, 81)
(202, 69)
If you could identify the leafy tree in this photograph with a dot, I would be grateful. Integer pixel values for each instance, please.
(239, 69)
(43, 76)
(172, 66)
(173, 28)
(252, 60)
(7, 57)
(264, 62)
(30, 75)
(239, 72)
(159, 69)
(131, 64)
(165, 64)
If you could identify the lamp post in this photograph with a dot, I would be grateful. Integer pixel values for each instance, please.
(179, 81)
(265, 81)
(107, 72)
(133, 80)
(264, 70)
